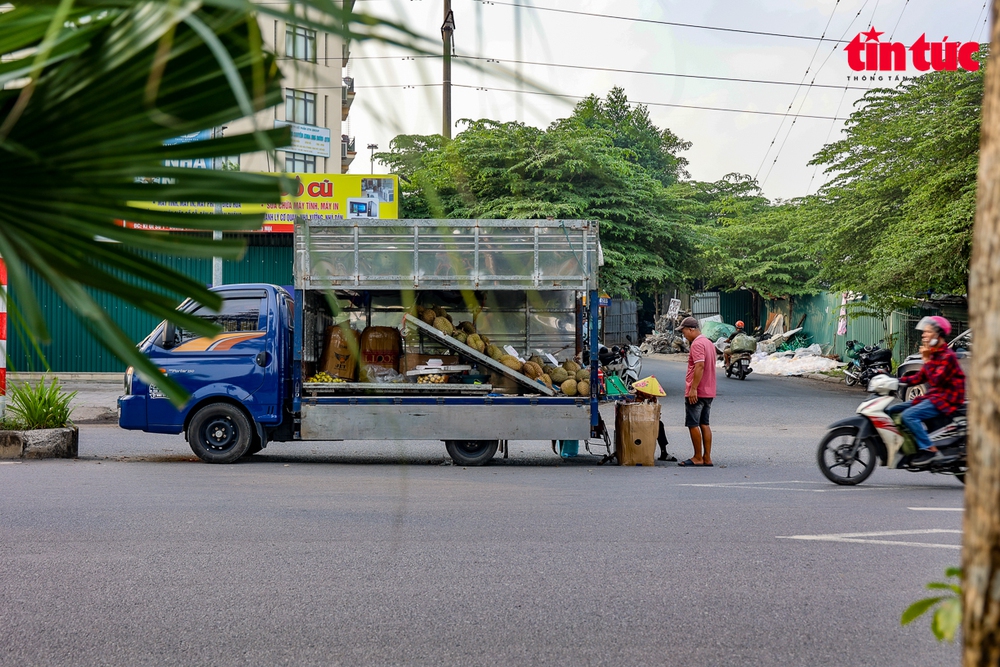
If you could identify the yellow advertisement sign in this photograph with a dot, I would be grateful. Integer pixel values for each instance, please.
(317, 197)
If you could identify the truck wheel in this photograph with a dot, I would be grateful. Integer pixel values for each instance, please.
(471, 452)
(219, 433)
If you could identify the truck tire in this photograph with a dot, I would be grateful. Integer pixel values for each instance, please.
(471, 452)
(220, 433)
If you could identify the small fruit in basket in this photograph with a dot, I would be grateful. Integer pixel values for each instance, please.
(569, 387)
(443, 324)
(438, 378)
(323, 376)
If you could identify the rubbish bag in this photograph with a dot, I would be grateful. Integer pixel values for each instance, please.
(813, 350)
(744, 343)
(716, 330)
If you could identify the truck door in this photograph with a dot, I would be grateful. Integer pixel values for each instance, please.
(233, 363)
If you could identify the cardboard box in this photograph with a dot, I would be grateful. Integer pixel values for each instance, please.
(411, 360)
(636, 428)
(338, 358)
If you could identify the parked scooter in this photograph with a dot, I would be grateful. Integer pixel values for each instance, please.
(624, 362)
(850, 450)
(866, 362)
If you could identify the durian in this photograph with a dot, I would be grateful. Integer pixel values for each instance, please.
(428, 315)
(443, 324)
(460, 337)
(547, 380)
(583, 374)
(568, 387)
(531, 369)
(493, 351)
(467, 327)
(559, 375)
(571, 366)
(511, 362)
(583, 388)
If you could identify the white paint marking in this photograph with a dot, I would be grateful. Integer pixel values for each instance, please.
(936, 509)
(7, 463)
(761, 485)
(862, 538)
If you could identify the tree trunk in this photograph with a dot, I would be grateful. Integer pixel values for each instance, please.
(981, 530)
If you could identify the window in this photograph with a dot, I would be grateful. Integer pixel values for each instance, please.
(297, 163)
(238, 313)
(300, 43)
(300, 107)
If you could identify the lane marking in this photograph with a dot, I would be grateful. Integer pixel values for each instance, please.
(937, 509)
(7, 463)
(762, 485)
(863, 538)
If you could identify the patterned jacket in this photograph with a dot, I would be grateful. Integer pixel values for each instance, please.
(945, 381)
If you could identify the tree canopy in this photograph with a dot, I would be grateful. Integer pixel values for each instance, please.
(605, 162)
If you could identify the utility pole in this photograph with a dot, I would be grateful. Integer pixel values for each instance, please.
(372, 148)
(447, 28)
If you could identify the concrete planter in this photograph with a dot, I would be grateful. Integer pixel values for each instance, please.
(44, 443)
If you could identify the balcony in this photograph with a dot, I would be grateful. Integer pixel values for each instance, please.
(347, 97)
(347, 152)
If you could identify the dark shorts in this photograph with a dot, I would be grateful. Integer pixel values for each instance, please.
(696, 414)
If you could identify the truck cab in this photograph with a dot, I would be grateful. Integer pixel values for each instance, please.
(239, 380)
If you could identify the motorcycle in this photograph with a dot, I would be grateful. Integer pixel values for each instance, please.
(624, 362)
(872, 436)
(740, 355)
(866, 362)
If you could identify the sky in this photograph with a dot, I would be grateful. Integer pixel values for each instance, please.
(403, 96)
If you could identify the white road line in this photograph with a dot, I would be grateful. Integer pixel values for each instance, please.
(936, 509)
(862, 538)
(760, 485)
(7, 463)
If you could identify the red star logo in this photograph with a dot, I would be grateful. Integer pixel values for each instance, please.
(872, 34)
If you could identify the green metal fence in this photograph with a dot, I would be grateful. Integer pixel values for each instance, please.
(74, 350)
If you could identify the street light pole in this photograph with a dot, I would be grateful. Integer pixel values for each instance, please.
(447, 28)
(371, 165)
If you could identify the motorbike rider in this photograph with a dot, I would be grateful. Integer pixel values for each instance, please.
(727, 353)
(648, 390)
(945, 386)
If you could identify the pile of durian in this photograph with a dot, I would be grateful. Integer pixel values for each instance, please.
(464, 332)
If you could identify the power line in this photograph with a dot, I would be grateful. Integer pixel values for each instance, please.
(804, 75)
(648, 104)
(650, 73)
(634, 19)
(901, 12)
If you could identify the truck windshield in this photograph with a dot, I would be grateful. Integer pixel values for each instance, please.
(236, 314)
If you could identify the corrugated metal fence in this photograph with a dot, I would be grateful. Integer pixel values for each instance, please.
(620, 319)
(73, 349)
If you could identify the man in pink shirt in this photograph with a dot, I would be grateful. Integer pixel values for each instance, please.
(699, 390)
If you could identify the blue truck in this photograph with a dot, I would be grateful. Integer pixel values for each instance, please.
(532, 284)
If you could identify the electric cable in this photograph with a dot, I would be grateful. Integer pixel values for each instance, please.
(676, 24)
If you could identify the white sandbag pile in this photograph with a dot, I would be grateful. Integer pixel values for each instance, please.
(800, 362)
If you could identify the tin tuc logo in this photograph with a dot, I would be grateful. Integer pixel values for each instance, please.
(871, 55)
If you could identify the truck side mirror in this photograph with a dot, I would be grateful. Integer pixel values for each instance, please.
(169, 335)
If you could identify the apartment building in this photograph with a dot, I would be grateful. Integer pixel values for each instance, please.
(318, 98)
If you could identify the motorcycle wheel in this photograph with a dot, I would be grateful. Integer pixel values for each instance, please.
(729, 371)
(742, 372)
(838, 456)
(851, 380)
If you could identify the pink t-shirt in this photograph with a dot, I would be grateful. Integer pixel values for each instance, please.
(702, 350)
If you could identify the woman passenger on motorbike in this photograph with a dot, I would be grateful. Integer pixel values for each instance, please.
(945, 386)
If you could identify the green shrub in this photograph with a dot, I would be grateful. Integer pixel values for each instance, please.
(40, 406)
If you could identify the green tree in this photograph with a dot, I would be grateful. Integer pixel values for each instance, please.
(572, 169)
(903, 196)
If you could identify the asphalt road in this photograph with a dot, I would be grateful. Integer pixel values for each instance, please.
(377, 554)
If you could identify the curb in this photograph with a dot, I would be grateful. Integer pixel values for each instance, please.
(109, 378)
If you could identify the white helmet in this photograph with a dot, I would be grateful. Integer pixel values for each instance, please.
(883, 384)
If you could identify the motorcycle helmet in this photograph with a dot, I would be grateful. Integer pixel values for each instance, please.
(936, 321)
(739, 324)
